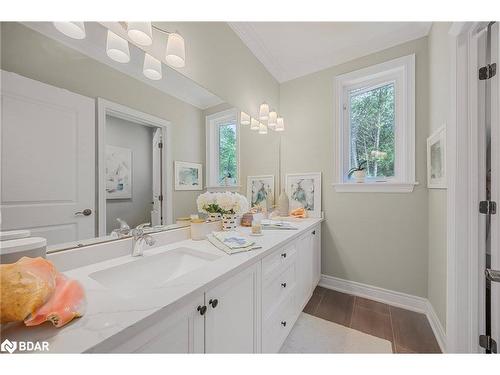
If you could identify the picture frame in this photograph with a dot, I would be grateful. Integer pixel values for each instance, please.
(304, 190)
(260, 189)
(188, 175)
(436, 159)
(118, 172)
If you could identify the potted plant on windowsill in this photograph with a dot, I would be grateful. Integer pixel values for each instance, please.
(358, 172)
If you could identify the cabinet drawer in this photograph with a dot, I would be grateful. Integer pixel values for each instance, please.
(277, 261)
(277, 327)
(275, 289)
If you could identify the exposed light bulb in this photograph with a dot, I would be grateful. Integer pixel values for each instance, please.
(262, 128)
(264, 112)
(140, 32)
(152, 67)
(254, 124)
(176, 51)
(280, 124)
(273, 116)
(244, 118)
(117, 48)
(75, 30)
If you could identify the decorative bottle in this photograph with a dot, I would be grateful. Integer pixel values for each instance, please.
(283, 204)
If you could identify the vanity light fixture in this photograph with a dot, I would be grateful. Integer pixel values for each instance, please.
(264, 112)
(254, 124)
(262, 128)
(75, 30)
(280, 124)
(152, 67)
(117, 48)
(273, 116)
(176, 51)
(244, 118)
(140, 32)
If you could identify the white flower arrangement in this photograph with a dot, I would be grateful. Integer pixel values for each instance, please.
(224, 203)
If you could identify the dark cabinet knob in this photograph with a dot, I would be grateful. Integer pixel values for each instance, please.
(314, 232)
(283, 255)
(202, 310)
(213, 302)
(85, 212)
(283, 285)
(283, 323)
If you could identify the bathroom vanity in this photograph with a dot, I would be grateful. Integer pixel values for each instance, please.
(186, 296)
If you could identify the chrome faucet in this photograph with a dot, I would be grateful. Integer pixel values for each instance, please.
(123, 231)
(141, 238)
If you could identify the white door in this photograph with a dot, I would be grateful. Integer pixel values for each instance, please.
(157, 168)
(495, 185)
(232, 320)
(48, 160)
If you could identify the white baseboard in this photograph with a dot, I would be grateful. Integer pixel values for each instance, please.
(436, 326)
(390, 297)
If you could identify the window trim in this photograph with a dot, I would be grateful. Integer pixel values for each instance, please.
(402, 72)
(212, 149)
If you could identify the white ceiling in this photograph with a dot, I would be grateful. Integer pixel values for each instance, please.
(293, 49)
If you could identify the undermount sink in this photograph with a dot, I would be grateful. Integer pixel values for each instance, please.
(144, 273)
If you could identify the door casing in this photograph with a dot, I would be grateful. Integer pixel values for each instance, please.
(106, 107)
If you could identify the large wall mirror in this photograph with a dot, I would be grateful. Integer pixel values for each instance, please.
(89, 144)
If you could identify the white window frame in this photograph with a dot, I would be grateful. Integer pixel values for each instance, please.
(401, 72)
(212, 124)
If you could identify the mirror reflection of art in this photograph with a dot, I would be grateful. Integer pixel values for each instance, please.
(188, 176)
(118, 172)
(436, 159)
(260, 191)
(304, 190)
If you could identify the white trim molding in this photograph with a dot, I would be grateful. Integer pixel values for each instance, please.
(464, 303)
(379, 187)
(437, 327)
(389, 297)
(401, 72)
(106, 107)
(212, 123)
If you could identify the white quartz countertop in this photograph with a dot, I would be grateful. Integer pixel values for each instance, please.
(108, 313)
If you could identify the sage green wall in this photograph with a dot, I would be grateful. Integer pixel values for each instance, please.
(217, 59)
(380, 239)
(439, 83)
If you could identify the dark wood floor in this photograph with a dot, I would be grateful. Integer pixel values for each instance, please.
(408, 331)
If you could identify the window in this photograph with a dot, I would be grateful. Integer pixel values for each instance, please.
(223, 149)
(377, 127)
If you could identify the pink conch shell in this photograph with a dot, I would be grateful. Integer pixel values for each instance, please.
(67, 303)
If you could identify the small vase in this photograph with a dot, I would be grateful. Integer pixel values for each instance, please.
(214, 216)
(229, 222)
(360, 176)
(283, 204)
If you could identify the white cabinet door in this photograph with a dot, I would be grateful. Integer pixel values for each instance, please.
(48, 160)
(305, 268)
(180, 331)
(316, 233)
(232, 320)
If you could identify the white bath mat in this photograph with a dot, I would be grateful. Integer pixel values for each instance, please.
(315, 335)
